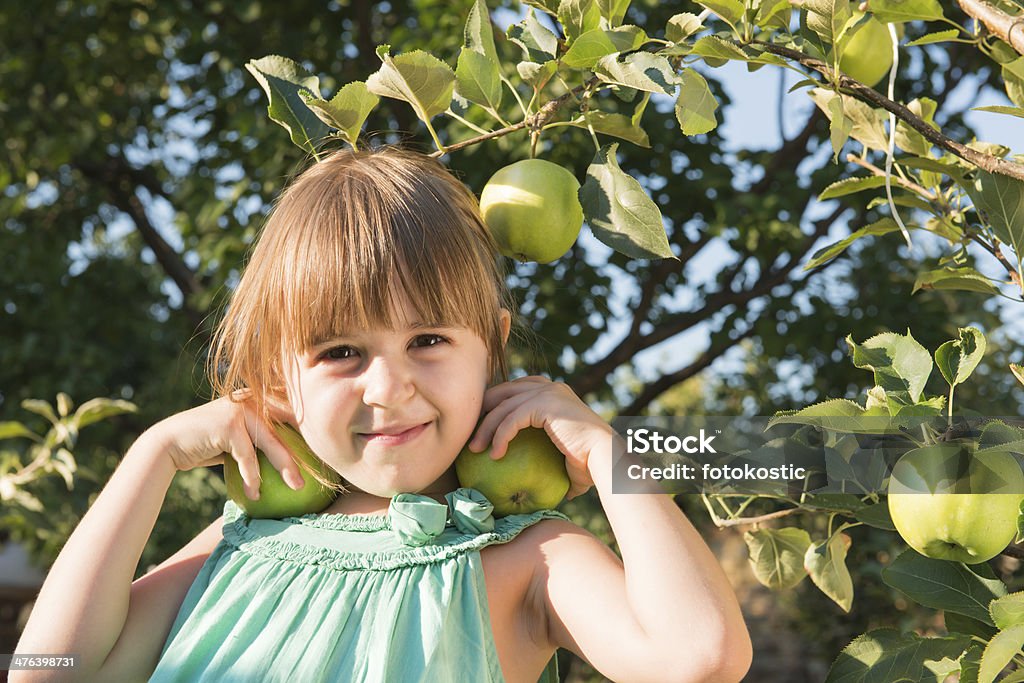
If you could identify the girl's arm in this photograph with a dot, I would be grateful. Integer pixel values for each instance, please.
(83, 604)
(88, 605)
(666, 612)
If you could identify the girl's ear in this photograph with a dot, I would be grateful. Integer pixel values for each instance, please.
(506, 325)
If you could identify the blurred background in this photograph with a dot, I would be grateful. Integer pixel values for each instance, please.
(138, 162)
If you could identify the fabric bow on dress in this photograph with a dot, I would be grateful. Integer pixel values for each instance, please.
(417, 520)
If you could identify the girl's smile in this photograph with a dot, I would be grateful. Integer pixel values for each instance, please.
(394, 436)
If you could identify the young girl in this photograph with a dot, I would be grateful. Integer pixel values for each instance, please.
(373, 316)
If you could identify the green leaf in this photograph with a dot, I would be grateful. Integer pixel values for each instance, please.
(887, 656)
(641, 71)
(537, 75)
(416, 77)
(478, 35)
(617, 125)
(729, 10)
(1018, 372)
(997, 109)
(839, 127)
(619, 211)
(826, 564)
(716, 48)
(478, 79)
(868, 124)
(876, 515)
(937, 37)
(695, 105)
(940, 584)
(682, 26)
(1000, 201)
(97, 409)
(1013, 81)
(834, 414)
(538, 42)
(577, 17)
(909, 139)
(923, 408)
(590, 47)
(346, 111)
(16, 430)
(898, 361)
(1000, 651)
(898, 11)
(848, 186)
(965, 279)
(826, 254)
(42, 408)
(613, 10)
(777, 556)
(958, 623)
(828, 18)
(1008, 611)
(283, 80)
(549, 6)
(773, 14)
(957, 359)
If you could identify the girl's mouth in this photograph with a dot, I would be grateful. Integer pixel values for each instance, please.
(396, 438)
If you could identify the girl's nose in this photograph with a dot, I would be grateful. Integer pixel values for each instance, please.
(387, 383)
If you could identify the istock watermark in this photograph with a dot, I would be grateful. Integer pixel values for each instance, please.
(809, 455)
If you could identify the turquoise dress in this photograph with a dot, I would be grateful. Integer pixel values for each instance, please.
(334, 597)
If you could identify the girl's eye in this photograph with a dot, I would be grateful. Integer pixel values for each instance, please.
(429, 340)
(338, 353)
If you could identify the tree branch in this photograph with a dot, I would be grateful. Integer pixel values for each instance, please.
(786, 155)
(659, 386)
(1008, 28)
(987, 162)
(629, 346)
(120, 181)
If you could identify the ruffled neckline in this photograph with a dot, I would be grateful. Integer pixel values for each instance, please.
(414, 519)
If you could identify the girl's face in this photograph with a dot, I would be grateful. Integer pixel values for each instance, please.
(390, 409)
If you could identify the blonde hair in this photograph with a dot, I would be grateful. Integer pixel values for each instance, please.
(330, 252)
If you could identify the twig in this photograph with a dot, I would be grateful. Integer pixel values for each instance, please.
(535, 122)
(987, 162)
(1008, 28)
(1001, 257)
(740, 521)
(906, 184)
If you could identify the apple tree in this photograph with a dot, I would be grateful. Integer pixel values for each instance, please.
(137, 163)
(579, 64)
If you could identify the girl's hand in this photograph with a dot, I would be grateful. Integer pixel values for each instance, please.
(204, 435)
(536, 401)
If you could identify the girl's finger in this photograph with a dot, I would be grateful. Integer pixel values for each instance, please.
(244, 453)
(484, 435)
(516, 420)
(499, 392)
(265, 438)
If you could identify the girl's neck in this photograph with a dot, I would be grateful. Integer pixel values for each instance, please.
(357, 502)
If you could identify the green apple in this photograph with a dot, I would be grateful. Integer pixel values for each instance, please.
(530, 476)
(277, 499)
(532, 209)
(950, 504)
(867, 51)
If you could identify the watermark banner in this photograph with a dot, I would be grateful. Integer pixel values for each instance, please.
(789, 455)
